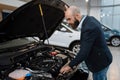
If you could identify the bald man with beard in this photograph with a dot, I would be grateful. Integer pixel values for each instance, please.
(93, 50)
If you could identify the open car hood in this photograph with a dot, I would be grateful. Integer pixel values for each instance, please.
(37, 18)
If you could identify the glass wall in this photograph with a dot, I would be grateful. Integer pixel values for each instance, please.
(110, 13)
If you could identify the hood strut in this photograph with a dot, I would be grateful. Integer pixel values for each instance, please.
(43, 21)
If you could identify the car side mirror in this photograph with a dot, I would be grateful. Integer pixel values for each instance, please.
(63, 29)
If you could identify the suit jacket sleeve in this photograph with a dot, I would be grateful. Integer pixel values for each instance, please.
(88, 37)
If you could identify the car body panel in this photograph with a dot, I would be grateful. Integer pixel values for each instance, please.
(109, 32)
(64, 36)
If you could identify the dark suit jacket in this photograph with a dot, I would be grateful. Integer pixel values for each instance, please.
(93, 50)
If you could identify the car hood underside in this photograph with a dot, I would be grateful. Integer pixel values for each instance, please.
(36, 18)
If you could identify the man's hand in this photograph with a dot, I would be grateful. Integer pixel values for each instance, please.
(65, 69)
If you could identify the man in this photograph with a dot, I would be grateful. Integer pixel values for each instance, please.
(93, 50)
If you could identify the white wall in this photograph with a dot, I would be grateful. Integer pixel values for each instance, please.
(9, 5)
(14, 3)
(95, 8)
(79, 3)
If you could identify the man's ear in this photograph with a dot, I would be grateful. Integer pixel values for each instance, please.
(76, 15)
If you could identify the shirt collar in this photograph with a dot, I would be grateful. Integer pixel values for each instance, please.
(80, 24)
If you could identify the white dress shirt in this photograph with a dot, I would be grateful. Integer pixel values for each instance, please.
(80, 24)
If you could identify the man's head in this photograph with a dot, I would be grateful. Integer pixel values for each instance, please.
(73, 16)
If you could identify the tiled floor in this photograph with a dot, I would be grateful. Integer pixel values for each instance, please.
(114, 70)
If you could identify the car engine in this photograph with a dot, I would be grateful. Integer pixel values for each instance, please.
(34, 62)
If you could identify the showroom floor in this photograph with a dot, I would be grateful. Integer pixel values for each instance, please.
(114, 71)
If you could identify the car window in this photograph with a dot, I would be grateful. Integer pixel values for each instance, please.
(63, 29)
(105, 28)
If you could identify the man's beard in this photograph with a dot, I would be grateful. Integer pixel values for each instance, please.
(75, 25)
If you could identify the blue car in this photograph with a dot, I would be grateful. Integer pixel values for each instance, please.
(111, 35)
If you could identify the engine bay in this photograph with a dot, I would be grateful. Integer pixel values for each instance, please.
(36, 62)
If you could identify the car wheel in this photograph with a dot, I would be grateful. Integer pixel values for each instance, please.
(75, 47)
(115, 41)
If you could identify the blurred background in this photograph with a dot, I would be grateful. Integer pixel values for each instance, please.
(106, 11)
